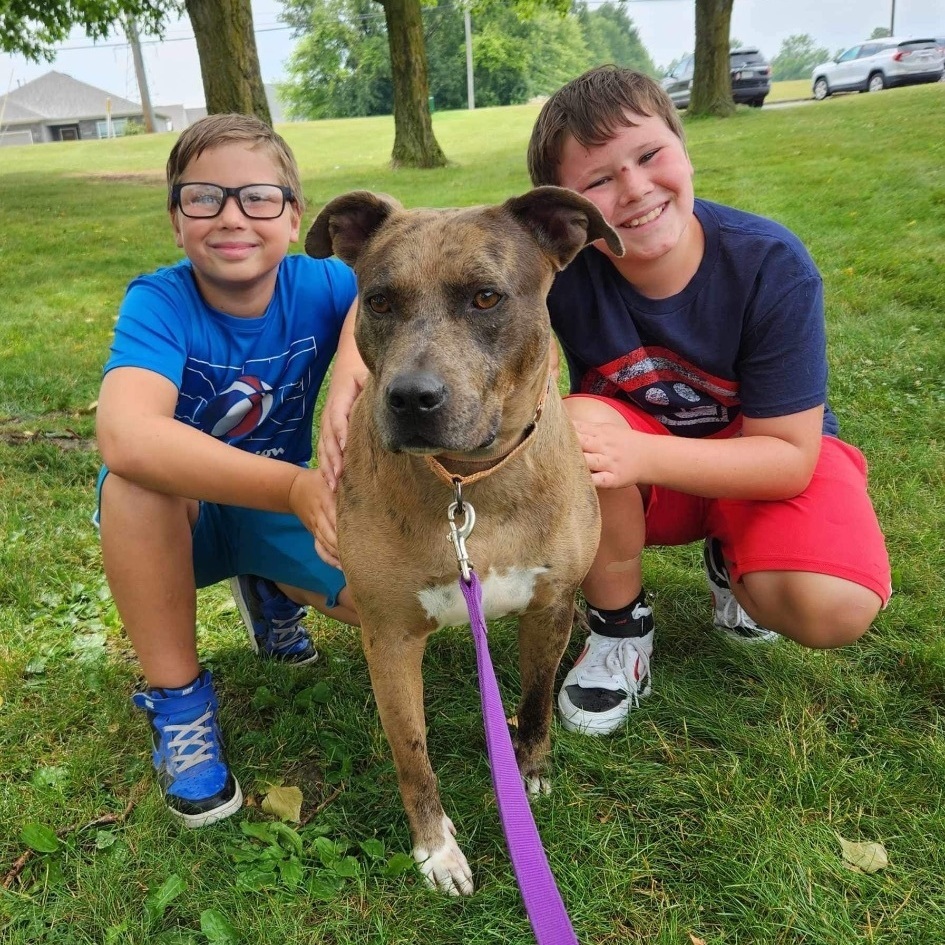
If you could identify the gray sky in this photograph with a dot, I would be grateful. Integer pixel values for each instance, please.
(667, 28)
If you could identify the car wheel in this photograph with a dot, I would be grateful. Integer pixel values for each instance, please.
(876, 82)
(821, 89)
(756, 102)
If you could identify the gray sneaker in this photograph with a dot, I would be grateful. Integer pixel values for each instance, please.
(729, 616)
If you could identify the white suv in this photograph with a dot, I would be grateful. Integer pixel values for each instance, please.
(879, 64)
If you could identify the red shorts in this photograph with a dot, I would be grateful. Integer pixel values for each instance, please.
(830, 528)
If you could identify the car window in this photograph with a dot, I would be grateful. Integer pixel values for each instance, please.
(743, 57)
(870, 49)
(849, 54)
(918, 44)
(685, 70)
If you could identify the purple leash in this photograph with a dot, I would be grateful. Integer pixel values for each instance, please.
(543, 905)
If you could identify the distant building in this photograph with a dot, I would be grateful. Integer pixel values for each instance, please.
(56, 107)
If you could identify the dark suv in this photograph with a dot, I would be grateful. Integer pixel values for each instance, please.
(751, 79)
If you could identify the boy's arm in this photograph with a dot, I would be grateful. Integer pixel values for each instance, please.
(140, 440)
(774, 458)
(348, 375)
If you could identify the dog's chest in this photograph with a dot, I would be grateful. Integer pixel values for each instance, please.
(503, 593)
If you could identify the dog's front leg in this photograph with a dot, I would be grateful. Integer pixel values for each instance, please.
(394, 657)
(542, 639)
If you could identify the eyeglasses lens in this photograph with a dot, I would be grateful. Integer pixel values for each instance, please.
(260, 201)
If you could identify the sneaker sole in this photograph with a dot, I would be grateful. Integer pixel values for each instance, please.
(193, 821)
(766, 636)
(243, 608)
(595, 723)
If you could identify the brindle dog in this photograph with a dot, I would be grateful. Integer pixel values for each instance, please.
(453, 327)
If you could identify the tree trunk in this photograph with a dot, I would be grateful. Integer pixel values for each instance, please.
(414, 143)
(229, 62)
(712, 75)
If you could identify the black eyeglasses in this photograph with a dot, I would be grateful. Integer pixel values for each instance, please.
(201, 200)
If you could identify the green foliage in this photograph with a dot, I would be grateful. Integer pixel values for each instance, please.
(714, 815)
(797, 57)
(340, 66)
(880, 32)
(33, 27)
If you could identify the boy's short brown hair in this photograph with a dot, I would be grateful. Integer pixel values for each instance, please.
(591, 109)
(215, 130)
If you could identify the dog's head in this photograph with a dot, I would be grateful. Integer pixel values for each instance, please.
(452, 320)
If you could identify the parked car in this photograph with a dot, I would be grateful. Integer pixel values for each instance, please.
(751, 78)
(879, 64)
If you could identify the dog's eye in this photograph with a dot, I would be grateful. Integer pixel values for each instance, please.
(486, 299)
(378, 304)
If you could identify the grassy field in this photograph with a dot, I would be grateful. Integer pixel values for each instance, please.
(715, 816)
(789, 91)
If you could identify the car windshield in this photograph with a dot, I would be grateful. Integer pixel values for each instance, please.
(749, 57)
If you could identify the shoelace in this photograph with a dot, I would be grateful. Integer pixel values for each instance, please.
(284, 620)
(197, 735)
(732, 614)
(619, 662)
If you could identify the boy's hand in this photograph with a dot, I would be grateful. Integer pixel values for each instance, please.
(613, 452)
(348, 375)
(334, 427)
(313, 501)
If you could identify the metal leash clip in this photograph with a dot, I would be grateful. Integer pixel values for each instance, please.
(459, 534)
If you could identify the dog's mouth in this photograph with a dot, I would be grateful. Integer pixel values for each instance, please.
(423, 446)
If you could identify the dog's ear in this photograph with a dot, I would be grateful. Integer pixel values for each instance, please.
(563, 222)
(347, 223)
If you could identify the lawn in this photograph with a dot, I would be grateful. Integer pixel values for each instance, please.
(716, 815)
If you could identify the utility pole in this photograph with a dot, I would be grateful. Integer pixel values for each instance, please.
(470, 91)
(892, 19)
(131, 31)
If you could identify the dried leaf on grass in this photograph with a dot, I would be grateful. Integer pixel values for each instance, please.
(284, 803)
(694, 940)
(863, 857)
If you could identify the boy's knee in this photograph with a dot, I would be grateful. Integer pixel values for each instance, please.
(121, 497)
(816, 610)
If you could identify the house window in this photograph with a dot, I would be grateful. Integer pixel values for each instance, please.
(117, 128)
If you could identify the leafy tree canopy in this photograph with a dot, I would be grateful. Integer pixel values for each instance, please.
(340, 65)
(32, 28)
(797, 57)
(881, 32)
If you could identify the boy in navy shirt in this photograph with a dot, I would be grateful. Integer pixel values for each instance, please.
(699, 391)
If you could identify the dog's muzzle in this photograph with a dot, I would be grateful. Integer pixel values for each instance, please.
(419, 415)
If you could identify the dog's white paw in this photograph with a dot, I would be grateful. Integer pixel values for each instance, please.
(444, 868)
(537, 786)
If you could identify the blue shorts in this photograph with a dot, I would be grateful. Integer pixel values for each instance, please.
(230, 540)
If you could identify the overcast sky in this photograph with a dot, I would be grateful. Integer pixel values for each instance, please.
(667, 28)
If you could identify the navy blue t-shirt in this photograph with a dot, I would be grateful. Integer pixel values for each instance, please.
(746, 337)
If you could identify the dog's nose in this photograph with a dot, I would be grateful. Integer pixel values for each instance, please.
(417, 394)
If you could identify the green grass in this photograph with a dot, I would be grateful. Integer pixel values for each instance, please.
(790, 90)
(716, 812)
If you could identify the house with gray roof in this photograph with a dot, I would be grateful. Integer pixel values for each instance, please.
(56, 107)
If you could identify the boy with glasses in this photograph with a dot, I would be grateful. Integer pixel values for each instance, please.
(205, 428)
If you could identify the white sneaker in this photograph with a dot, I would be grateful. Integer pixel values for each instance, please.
(729, 616)
(608, 679)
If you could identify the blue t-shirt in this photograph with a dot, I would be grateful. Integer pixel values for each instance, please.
(250, 382)
(746, 336)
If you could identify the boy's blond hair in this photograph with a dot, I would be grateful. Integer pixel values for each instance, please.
(215, 130)
(592, 109)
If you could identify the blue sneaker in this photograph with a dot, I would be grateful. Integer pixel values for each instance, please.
(188, 752)
(274, 622)
(728, 615)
